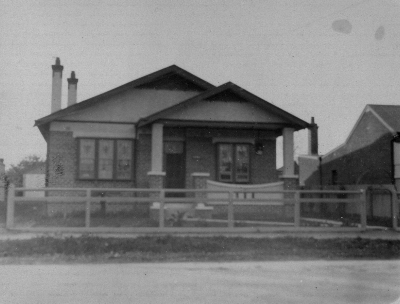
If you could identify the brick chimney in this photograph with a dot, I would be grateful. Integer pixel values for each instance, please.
(56, 86)
(72, 89)
(313, 138)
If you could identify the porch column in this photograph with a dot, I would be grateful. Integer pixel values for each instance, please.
(156, 147)
(288, 152)
(156, 176)
(290, 181)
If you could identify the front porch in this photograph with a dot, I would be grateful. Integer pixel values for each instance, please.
(187, 157)
(227, 155)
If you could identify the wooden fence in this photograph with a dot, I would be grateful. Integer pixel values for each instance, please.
(194, 196)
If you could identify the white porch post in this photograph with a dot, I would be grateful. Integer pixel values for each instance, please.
(157, 147)
(290, 181)
(156, 176)
(288, 152)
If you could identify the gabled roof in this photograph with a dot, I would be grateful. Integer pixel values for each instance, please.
(232, 92)
(167, 78)
(388, 115)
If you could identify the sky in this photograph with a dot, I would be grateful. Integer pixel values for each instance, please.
(313, 58)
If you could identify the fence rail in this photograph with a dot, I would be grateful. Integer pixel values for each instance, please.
(229, 198)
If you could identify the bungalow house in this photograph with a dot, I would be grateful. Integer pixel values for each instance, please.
(162, 130)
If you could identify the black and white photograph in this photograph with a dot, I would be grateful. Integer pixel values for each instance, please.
(199, 151)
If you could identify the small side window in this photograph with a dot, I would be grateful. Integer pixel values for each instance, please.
(334, 177)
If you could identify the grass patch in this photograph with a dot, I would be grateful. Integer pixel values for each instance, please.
(169, 248)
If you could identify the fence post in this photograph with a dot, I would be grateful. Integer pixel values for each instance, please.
(162, 205)
(395, 209)
(297, 209)
(363, 209)
(10, 206)
(87, 209)
(230, 210)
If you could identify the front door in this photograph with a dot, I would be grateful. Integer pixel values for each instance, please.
(174, 166)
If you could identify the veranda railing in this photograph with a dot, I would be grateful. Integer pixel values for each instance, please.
(195, 196)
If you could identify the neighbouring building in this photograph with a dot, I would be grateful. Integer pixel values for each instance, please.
(164, 130)
(368, 159)
(35, 178)
(370, 154)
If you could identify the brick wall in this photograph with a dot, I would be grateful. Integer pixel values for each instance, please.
(364, 159)
(143, 160)
(263, 167)
(62, 152)
(200, 157)
(369, 165)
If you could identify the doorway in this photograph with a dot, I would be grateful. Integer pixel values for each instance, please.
(174, 156)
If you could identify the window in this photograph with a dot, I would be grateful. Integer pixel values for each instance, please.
(86, 158)
(334, 177)
(233, 163)
(105, 159)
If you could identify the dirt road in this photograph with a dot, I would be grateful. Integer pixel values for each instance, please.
(247, 282)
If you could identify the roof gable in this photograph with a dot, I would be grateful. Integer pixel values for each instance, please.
(172, 81)
(170, 78)
(226, 95)
(390, 115)
(225, 111)
(229, 93)
(383, 114)
(130, 106)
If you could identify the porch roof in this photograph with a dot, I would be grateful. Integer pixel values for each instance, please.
(228, 92)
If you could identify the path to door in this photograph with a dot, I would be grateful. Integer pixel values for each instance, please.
(249, 282)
